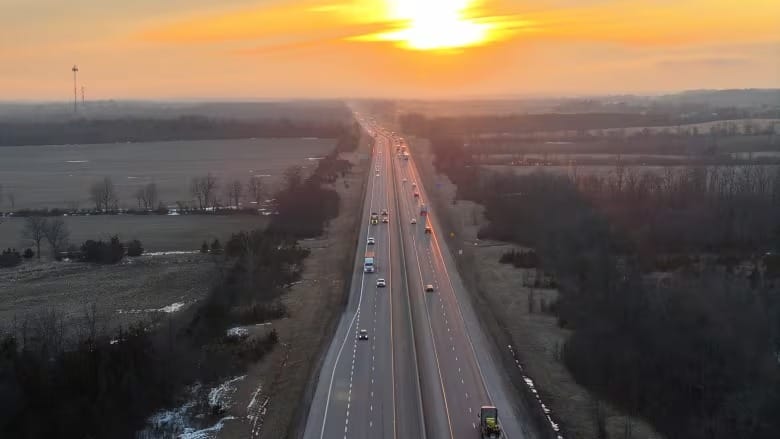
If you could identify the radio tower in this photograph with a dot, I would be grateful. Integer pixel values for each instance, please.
(75, 70)
(82, 96)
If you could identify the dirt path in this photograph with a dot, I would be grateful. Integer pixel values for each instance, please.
(282, 385)
(501, 298)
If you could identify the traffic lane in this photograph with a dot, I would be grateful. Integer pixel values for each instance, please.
(438, 422)
(410, 418)
(494, 378)
(465, 393)
(351, 387)
(332, 392)
(462, 379)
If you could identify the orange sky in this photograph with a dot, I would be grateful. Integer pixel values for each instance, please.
(396, 48)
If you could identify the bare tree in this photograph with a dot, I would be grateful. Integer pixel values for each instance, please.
(139, 197)
(35, 231)
(202, 188)
(146, 196)
(234, 191)
(12, 200)
(151, 197)
(1, 197)
(103, 194)
(56, 233)
(293, 177)
(256, 189)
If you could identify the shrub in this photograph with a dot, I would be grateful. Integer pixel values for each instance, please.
(204, 248)
(103, 252)
(216, 247)
(10, 258)
(28, 254)
(134, 248)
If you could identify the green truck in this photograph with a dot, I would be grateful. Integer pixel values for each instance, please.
(488, 422)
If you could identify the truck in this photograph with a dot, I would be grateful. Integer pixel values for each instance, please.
(369, 265)
(423, 210)
(488, 422)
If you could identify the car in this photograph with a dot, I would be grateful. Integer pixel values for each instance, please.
(428, 229)
(384, 212)
(404, 180)
(380, 283)
(371, 241)
(377, 174)
(429, 288)
(362, 334)
(414, 185)
(414, 221)
(385, 220)
(416, 194)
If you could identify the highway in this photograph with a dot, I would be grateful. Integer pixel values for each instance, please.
(425, 369)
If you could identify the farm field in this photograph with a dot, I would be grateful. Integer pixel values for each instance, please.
(158, 233)
(60, 176)
(146, 288)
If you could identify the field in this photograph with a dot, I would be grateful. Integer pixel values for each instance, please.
(60, 176)
(157, 232)
(144, 288)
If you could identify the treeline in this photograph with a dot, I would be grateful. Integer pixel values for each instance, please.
(86, 131)
(698, 358)
(420, 125)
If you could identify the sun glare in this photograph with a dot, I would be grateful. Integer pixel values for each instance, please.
(434, 25)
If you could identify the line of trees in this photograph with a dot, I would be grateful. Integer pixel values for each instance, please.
(87, 131)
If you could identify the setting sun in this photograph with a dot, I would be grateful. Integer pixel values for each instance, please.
(435, 25)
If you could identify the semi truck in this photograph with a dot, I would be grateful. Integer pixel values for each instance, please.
(488, 422)
(369, 264)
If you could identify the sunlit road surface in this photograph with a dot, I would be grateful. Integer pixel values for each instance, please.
(426, 368)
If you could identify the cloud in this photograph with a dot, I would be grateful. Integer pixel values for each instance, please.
(723, 62)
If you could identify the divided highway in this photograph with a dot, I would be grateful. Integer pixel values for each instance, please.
(423, 368)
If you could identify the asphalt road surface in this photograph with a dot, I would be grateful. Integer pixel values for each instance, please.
(426, 367)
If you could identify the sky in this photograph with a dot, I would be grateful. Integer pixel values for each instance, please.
(272, 49)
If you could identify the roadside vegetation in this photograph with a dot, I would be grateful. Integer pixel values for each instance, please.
(695, 351)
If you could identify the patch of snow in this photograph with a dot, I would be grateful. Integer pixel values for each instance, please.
(206, 433)
(172, 308)
(170, 253)
(238, 332)
(221, 397)
(77, 161)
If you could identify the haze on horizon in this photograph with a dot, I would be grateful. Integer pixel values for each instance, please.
(182, 49)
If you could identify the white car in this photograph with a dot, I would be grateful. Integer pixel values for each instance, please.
(380, 283)
(371, 241)
(429, 288)
(414, 220)
(404, 180)
(363, 334)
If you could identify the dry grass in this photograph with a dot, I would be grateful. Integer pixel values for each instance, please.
(136, 285)
(501, 300)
